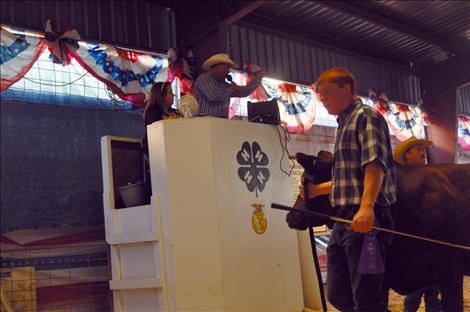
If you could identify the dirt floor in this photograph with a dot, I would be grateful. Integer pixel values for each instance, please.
(396, 301)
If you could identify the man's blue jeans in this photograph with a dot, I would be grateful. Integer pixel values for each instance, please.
(348, 290)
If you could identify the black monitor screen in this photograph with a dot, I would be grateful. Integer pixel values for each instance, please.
(264, 112)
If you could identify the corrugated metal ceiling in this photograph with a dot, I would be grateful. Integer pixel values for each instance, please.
(442, 18)
(403, 31)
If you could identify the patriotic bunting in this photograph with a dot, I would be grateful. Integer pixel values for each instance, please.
(127, 73)
(404, 120)
(17, 54)
(130, 75)
(242, 78)
(61, 45)
(464, 132)
(181, 66)
(297, 104)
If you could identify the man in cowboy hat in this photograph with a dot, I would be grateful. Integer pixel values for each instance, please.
(413, 151)
(213, 93)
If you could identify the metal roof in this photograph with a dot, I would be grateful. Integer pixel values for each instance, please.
(404, 32)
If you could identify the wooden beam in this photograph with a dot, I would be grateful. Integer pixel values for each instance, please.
(229, 20)
(243, 12)
(392, 24)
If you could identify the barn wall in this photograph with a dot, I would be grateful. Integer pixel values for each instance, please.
(292, 59)
(143, 25)
(51, 163)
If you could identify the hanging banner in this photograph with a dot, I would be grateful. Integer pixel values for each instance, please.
(404, 120)
(242, 78)
(297, 104)
(181, 67)
(61, 44)
(17, 54)
(464, 132)
(128, 73)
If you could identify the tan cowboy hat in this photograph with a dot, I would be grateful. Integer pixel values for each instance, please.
(221, 58)
(404, 146)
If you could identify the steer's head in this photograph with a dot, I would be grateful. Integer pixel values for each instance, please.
(317, 170)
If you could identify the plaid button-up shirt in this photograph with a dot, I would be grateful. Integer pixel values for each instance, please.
(213, 95)
(362, 137)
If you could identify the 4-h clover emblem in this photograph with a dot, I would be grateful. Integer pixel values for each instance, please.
(253, 171)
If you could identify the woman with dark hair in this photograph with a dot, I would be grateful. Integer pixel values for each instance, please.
(158, 107)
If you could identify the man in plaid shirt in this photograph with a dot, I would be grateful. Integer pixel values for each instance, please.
(362, 189)
(213, 93)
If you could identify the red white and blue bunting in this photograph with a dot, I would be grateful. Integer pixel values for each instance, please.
(404, 120)
(242, 78)
(129, 74)
(464, 132)
(17, 54)
(181, 66)
(297, 104)
(61, 44)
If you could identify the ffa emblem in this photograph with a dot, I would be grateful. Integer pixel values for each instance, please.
(253, 167)
(258, 219)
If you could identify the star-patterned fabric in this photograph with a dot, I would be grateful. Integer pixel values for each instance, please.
(130, 75)
(17, 54)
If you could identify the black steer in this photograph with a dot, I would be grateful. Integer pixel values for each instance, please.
(433, 201)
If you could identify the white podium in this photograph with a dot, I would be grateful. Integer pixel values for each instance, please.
(216, 260)
(209, 240)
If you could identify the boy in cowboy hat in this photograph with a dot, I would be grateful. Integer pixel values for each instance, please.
(213, 93)
(413, 151)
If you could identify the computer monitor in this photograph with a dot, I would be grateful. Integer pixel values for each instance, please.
(264, 112)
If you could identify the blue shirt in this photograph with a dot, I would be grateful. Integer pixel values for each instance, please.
(213, 95)
(362, 137)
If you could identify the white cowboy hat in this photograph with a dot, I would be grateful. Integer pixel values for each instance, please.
(218, 59)
(404, 146)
